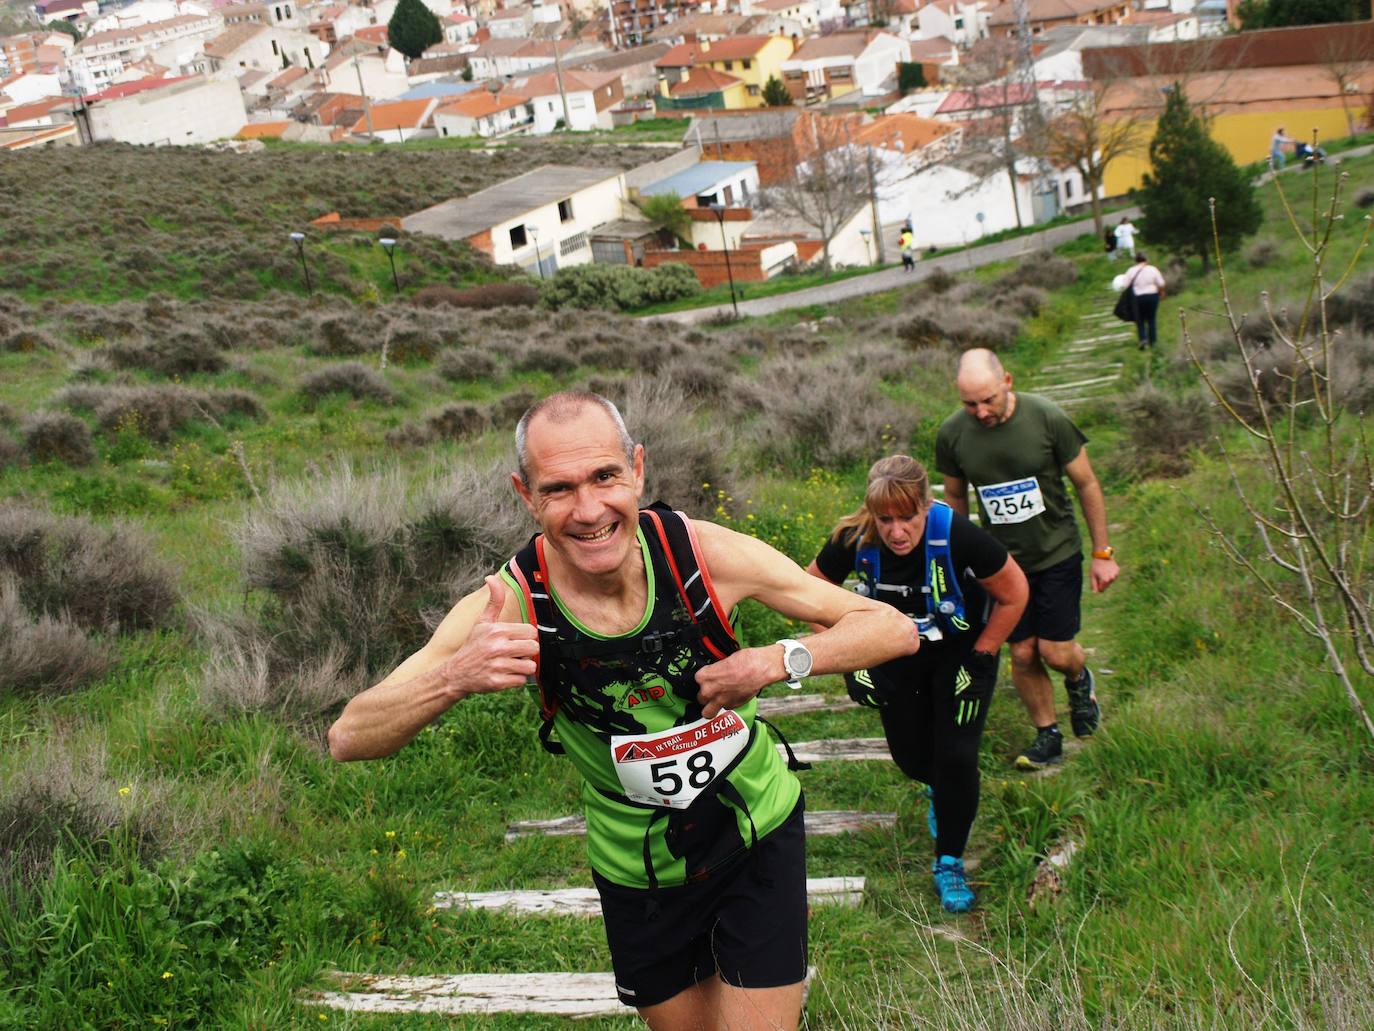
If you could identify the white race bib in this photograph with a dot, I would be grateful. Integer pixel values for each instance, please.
(672, 768)
(1012, 502)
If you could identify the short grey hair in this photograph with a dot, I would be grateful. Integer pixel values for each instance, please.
(562, 407)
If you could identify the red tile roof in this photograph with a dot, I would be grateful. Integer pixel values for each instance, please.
(703, 80)
(398, 114)
(480, 103)
(729, 49)
(262, 130)
(128, 89)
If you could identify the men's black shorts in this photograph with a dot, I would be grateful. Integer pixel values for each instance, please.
(746, 922)
(1054, 611)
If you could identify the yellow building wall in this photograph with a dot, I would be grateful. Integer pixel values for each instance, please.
(764, 64)
(1245, 134)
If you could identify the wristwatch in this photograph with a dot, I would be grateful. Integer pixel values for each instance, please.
(1104, 553)
(796, 662)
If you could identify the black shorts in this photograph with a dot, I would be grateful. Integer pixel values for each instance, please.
(1054, 611)
(747, 923)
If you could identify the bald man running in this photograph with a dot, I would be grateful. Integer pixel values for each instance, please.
(1014, 449)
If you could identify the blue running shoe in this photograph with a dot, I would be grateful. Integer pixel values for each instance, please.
(930, 813)
(955, 894)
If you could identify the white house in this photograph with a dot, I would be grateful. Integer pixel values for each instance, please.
(396, 121)
(458, 28)
(250, 45)
(590, 97)
(503, 58)
(806, 13)
(511, 23)
(958, 21)
(832, 66)
(26, 87)
(540, 221)
(706, 183)
(481, 113)
(376, 74)
(190, 110)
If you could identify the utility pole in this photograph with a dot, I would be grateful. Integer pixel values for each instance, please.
(873, 201)
(562, 94)
(367, 108)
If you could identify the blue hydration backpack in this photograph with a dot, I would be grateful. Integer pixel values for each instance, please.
(943, 597)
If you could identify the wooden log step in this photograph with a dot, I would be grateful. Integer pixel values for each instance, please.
(560, 994)
(1094, 381)
(820, 891)
(854, 749)
(821, 823)
(792, 704)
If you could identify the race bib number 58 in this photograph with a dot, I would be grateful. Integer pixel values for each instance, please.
(672, 768)
(1012, 502)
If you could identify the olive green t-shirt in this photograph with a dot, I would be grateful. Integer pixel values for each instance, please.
(1016, 469)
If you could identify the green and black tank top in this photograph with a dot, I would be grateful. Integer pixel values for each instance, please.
(594, 687)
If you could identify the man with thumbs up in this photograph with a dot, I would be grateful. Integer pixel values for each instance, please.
(627, 620)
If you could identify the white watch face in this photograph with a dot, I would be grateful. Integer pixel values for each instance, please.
(797, 660)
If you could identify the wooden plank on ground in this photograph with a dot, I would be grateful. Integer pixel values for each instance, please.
(821, 823)
(792, 704)
(820, 891)
(568, 995)
(854, 749)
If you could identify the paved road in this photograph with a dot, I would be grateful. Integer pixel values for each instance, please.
(895, 278)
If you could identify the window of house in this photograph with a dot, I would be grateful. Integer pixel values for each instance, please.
(576, 242)
(752, 90)
(275, 51)
(518, 238)
(729, 195)
(729, 65)
(958, 23)
(745, 64)
(445, 130)
(565, 211)
(286, 10)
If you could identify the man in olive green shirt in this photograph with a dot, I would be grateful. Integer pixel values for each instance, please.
(1014, 449)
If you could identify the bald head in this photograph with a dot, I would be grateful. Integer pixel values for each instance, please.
(564, 407)
(984, 387)
(979, 365)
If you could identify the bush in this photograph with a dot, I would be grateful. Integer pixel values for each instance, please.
(1262, 252)
(1175, 278)
(103, 578)
(157, 412)
(506, 411)
(58, 437)
(11, 453)
(1364, 199)
(959, 326)
(457, 421)
(181, 355)
(1021, 301)
(827, 414)
(1045, 270)
(684, 463)
(487, 295)
(1164, 428)
(352, 378)
(410, 435)
(545, 358)
(350, 563)
(938, 282)
(28, 341)
(44, 655)
(1354, 306)
(467, 365)
(618, 287)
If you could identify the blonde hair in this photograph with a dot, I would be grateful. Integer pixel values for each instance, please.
(897, 485)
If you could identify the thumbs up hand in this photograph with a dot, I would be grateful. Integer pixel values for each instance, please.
(496, 655)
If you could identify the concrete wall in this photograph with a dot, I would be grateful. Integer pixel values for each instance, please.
(593, 206)
(199, 111)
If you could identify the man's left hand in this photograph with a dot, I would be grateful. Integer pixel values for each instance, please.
(734, 680)
(1104, 571)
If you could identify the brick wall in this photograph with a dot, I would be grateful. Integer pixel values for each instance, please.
(333, 221)
(746, 264)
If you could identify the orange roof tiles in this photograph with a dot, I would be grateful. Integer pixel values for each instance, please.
(398, 114)
(903, 132)
(480, 103)
(262, 130)
(703, 80)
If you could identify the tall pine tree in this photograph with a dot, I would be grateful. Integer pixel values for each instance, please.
(1188, 168)
(413, 29)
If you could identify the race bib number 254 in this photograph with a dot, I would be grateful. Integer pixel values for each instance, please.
(1012, 502)
(672, 768)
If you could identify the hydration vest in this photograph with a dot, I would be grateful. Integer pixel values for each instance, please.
(943, 597)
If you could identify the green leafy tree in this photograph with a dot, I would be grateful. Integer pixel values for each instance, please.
(775, 93)
(910, 75)
(666, 210)
(413, 29)
(58, 25)
(1188, 170)
(1277, 14)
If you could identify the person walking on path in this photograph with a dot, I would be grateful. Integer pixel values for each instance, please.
(1147, 287)
(1015, 449)
(907, 242)
(913, 554)
(625, 618)
(1277, 142)
(1125, 239)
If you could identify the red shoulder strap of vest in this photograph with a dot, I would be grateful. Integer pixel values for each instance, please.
(548, 704)
(693, 580)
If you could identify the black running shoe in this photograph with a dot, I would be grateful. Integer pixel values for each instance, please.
(1084, 712)
(1046, 750)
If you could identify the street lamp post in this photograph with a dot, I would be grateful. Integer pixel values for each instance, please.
(389, 245)
(719, 210)
(538, 258)
(868, 254)
(299, 240)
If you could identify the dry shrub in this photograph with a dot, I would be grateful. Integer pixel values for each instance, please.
(29, 340)
(959, 326)
(487, 295)
(45, 654)
(352, 378)
(105, 578)
(545, 358)
(356, 567)
(11, 452)
(1353, 306)
(1175, 278)
(1022, 301)
(8, 416)
(410, 435)
(682, 452)
(411, 344)
(1364, 198)
(938, 282)
(457, 421)
(506, 411)
(157, 411)
(828, 414)
(467, 365)
(1045, 270)
(180, 355)
(343, 336)
(57, 437)
(1163, 429)
(1262, 253)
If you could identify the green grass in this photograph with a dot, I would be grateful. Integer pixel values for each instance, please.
(1223, 811)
